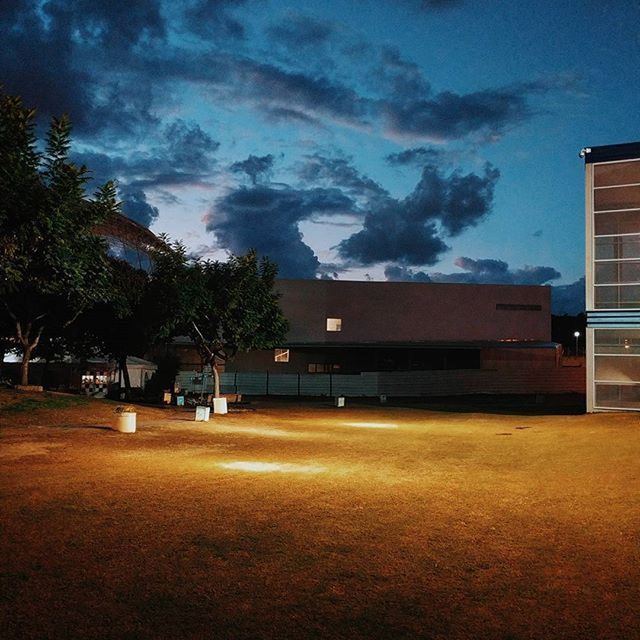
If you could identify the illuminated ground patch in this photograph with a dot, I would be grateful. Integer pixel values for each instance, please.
(271, 467)
(371, 425)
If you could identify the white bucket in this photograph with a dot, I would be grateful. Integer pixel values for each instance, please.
(125, 423)
(202, 414)
(219, 405)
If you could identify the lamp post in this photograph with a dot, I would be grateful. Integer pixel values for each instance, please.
(576, 335)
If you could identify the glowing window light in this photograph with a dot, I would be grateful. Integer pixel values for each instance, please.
(372, 425)
(270, 467)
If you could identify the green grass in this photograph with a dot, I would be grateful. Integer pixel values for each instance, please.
(47, 402)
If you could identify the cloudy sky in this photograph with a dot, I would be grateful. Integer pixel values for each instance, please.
(430, 140)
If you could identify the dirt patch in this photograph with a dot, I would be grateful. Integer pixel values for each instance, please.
(316, 522)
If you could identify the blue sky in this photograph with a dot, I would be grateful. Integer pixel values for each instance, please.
(411, 140)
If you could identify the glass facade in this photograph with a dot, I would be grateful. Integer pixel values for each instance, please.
(615, 201)
(613, 285)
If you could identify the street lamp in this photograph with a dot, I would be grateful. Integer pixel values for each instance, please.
(576, 335)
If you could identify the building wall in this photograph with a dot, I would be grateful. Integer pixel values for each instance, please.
(414, 312)
(612, 206)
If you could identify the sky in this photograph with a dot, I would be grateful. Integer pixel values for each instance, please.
(424, 140)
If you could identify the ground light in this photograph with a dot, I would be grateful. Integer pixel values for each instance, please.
(270, 467)
(371, 425)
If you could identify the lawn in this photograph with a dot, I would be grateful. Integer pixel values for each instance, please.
(309, 521)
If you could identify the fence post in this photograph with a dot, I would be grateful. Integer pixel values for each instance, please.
(267, 382)
(235, 382)
(298, 385)
(330, 384)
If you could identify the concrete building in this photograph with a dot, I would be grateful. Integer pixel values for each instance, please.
(612, 199)
(400, 338)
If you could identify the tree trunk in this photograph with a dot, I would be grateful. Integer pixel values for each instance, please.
(24, 366)
(216, 378)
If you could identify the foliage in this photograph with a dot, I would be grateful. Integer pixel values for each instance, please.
(52, 267)
(225, 307)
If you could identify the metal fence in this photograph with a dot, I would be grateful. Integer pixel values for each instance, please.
(393, 383)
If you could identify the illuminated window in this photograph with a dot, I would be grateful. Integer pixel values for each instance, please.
(281, 355)
(323, 368)
(334, 324)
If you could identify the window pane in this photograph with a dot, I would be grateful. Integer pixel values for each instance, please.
(617, 297)
(617, 222)
(616, 173)
(334, 324)
(617, 247)
(617, 198)
(613, 272)
(617, 368)
(625, 341)
(617, 396)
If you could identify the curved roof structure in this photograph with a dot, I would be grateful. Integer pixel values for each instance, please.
(129, 240)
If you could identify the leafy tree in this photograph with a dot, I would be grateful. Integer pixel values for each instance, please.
(235, 309)
(225, 307)
(52, 267)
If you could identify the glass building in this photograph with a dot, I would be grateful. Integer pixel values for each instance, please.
(612, 195)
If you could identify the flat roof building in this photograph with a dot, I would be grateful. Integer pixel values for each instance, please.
(404, 339)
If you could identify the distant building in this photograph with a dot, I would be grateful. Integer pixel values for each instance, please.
(128, 240)
(400, 338)
(612, 194)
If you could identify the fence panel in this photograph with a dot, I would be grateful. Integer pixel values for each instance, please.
(318, 384)
(252, 383)
(283, 384)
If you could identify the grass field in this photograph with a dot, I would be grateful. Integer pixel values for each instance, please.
(317, 522)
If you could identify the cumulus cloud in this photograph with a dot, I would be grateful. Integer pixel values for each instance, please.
(399, 273)
(410, 231)
(339, 172)
(254, 166)
(267, 218)
(136, 207)
(183, 155)
(491, 271)
(53, 55)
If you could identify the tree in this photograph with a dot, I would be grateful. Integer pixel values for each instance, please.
(52, 266)
(235, 309)
(225, 307)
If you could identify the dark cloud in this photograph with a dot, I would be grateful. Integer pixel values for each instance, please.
(62, 59)
(568, 298)
(450, 116)
(211, 18)
(410, 231)
(279, 115)
(299, 31)
(398, 77)
(491, 271)
(272, 87)
(267, 219)
(254, 166)
(399, 273)
(184, 154)
(136, 207)
(339, 172)
(190, 148)
(417, 156)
